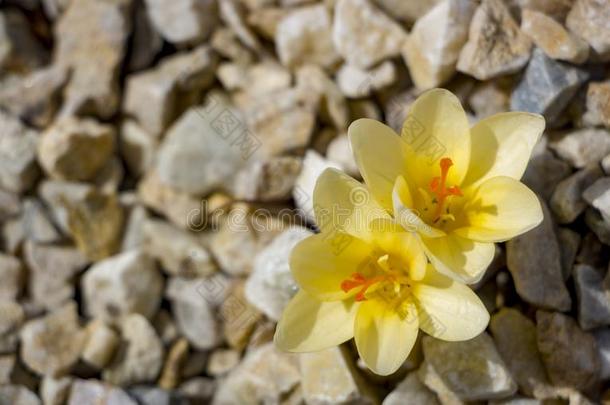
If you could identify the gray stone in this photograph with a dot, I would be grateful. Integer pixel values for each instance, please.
(567, 202)
(515, 337)
(155, 97)
(140, 356)
(20, 51)
(582, 147)
(411, 391)
(11, 319)
(198, 389)
(99, 393)
(267, 180)
(233, 14)
(598, 104)
(593, 298)
(569, 241)
(472, 370)
(91, 41)
(101, 344)
(18, 168)
(222, 361)
(271, 285)
(265, 375)
(363, 35)
(52, 345)
(193, 310)
(12, 276)
(10, 205)
(434, 44)
(75, 149)
(18, 395)
(406, 10)
(550, 36)
(34, 98)
(588, 19)
(146, 42)
(328, 377)
(7, 366)
(557, 336)
(495, 44)
(487, 99)
(598, 196)
(150, 395)
(598, 224)
(198, 155)
(183, 22)
(534, 262)
(52, 269)
(546, 87)
(137, 148)
(121, 285)
(545, 171)
(180, 253)
(36, 223)
(339, 151)
(602, 337)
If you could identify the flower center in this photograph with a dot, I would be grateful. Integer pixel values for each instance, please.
(439, 188)
(390, 281)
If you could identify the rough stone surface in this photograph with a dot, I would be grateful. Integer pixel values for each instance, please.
(411, 391)
(593, 298)
(434, 44)
(363, 35)
(471, 369)
(101, 344)
(534, 262)
(545, 170)
(91, 42)
(18, 395)
(267, 180)
(12, 276)
(550, 36)
(515, 337)
(183, 22)
(141, 357)
(20, 51)
(52, 345)
(271, 285)
(18, 168)
(97, 392)
(121, 285)
(583, 147)
(598, 196)
(546, 87)
(567, 202)
(602, 337)
(589, 19)
(557, 335)
(357, 83)
(54, 391)
(495, 44)
(12, 317)
(75, 149)
(305, 36)
(598, 104)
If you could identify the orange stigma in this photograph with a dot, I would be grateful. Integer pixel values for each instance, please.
(358, 280)
(439, 187)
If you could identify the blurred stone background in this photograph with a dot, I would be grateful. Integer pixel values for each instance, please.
(157, 160)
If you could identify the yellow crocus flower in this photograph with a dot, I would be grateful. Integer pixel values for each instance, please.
(456, 187)
(365, 276)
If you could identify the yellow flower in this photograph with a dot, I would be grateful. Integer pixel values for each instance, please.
(365, 276)
(457, 187)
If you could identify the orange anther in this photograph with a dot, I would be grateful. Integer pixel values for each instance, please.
(438, 186)
(358, 280)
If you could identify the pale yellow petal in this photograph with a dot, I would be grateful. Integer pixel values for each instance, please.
(461, 259)
(436, 127)
(449, 310)
(342, 204)
(392, 239)
(379, 154)
(308, 324)
(321, 262)
(408, 217)
(384, 339)
(502, 145)
(499, 209)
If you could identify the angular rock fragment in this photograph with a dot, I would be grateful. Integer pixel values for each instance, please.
(141, 357)
(589, 20)
(364, 35)
(18, 168)
(20, 51)
(357, 83)
(407, 10)
(75, 149)
(12, 317)
(52, 345)
(472, 370)
(412, 391)
(434, 44)
(558, 335)
(495, 44)
(598, 196)
(598, 104)
(101, 344)
(97, 392)
(567, 201)
(550, 36)
(18, 395)
(121, 285)
(270, 180)
(91, 41)
(12, 276)
(546, 87)
(183, 22)
(582, 147)
(55, 391)
(534, 261)
(593, 298)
